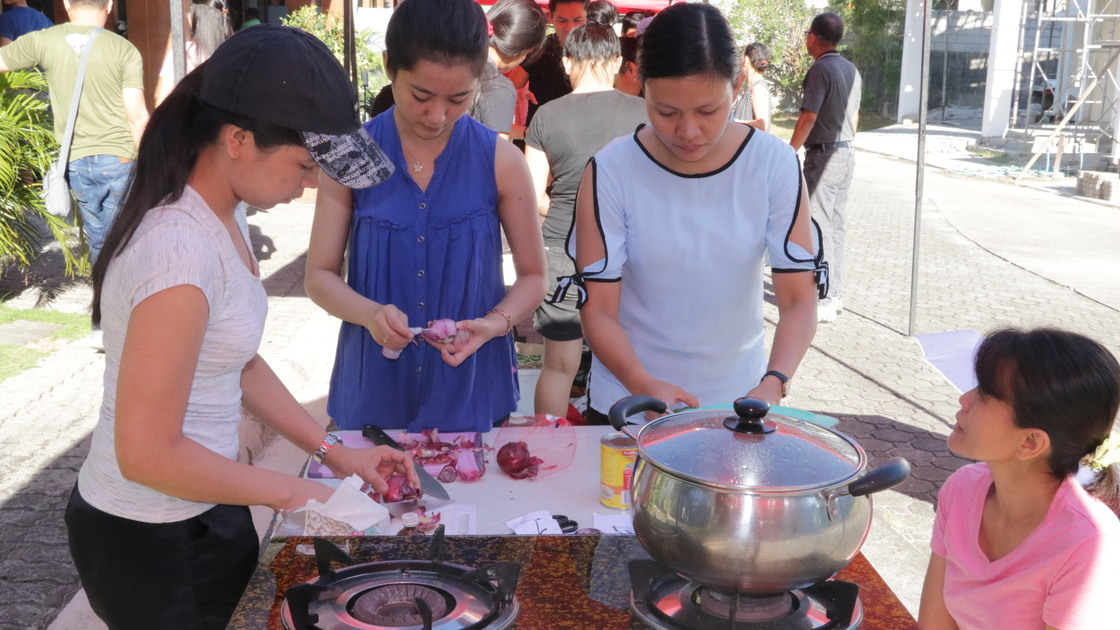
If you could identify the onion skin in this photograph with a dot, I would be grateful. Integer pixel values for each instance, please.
(400, 490)
(440, 331)
(514, 460)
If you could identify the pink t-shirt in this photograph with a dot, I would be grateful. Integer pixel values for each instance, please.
(1065, 574)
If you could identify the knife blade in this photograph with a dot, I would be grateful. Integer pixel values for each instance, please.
(428, 483)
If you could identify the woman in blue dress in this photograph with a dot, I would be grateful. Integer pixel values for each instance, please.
(427, 243)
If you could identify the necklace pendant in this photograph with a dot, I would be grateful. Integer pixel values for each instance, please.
(417, 167)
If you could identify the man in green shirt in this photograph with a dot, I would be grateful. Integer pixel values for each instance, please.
(112, 113)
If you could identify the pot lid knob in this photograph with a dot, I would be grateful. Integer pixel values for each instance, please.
(750, 412)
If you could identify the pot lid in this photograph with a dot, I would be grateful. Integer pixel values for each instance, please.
(749, 450)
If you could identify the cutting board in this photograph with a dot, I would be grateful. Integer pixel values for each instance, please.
(355, 439)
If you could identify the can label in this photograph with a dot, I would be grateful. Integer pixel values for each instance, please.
(618, 452)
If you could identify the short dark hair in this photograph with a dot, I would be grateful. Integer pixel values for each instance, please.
(252, 13)
(97, 4)
(758, 55)
(631, 19)
(1059, 382)
(602, 12)
(828, 27)
(552, 5)
(628, 48)
(592, 42)
(519, 27)
(686, 40)
(441, 31)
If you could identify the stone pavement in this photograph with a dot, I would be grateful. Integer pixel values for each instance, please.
(992, 254)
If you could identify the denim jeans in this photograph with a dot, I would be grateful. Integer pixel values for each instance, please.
(828, 174)
(98, 183)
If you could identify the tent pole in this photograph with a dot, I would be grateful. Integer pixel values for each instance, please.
(178, 40)
(919, 181)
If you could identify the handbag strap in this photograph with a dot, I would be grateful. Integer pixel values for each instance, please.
(68, 136)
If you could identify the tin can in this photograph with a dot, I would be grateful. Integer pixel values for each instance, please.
(617, 453)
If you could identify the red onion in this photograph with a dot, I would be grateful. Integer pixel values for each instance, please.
(514, 460)
(400, 490)
(447, 474)
(440, 331)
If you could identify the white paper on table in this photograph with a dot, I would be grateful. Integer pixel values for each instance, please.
(614, 523)
(350, 505)
(535, 523)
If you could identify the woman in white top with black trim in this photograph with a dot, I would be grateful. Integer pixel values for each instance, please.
(672, 227)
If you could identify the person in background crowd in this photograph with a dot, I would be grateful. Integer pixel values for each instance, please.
(159, 527)
(1017, 528)
(20, 19)
(517, 31)
(826, 127)
(602, 12)
(544, 73)
(630, 22)
(252, 18)
(426, 245)
(627, 81)
(112, 114)
(209, 25)
(753, 105)
(561, 139)
(687, 328)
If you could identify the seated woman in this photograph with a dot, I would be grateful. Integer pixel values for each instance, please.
(1017, 542)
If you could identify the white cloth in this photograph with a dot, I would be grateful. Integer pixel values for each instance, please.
(182, 243)
(688, 250)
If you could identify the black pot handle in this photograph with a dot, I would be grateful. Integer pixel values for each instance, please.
(885, 477)
(631, 405)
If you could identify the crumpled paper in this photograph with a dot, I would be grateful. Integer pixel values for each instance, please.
(535, 523)
(348, 505)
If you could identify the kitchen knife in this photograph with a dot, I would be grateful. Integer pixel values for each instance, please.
(428, 483)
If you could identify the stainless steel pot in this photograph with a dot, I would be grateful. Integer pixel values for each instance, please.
(748, 503)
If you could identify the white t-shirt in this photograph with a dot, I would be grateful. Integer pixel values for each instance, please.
(182, 243)
(688, 250)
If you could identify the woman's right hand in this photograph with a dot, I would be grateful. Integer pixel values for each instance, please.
(668, 392)
(389, 327)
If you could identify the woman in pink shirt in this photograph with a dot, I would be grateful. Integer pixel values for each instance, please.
(1018, 542)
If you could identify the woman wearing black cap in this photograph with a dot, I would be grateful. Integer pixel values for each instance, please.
(427, 244)
(158, 524)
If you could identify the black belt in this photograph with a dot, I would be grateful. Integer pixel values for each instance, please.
(825, 146)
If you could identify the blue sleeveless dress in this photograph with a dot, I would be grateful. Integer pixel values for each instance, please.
(433, 254)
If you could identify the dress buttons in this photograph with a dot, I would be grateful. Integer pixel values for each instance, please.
(419, 369)
(420, 305)
(420, 273)
(423, 206)
(419, 239)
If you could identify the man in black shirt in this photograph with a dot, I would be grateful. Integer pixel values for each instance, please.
(545, 73)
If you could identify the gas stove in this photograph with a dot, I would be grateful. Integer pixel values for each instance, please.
(521, 583)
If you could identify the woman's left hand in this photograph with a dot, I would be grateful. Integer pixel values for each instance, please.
(374, 465)
(770, 390)
(472, 334)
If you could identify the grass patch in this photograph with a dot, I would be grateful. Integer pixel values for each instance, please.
(74, 325)
(782, 124)
(15, 359)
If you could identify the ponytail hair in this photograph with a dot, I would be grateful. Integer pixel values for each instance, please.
(1062, 383)
(177, 132)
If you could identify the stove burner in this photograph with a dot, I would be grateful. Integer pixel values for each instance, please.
(665, 601)
(746, 608)
(401, 605)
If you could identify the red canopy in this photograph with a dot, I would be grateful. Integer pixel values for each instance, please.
(623, 6)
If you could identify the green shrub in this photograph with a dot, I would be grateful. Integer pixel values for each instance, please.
(28, 145)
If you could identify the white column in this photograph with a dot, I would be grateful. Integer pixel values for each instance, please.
(910, 81)
(1003, 57)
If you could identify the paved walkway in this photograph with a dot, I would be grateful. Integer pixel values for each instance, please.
(992, 254)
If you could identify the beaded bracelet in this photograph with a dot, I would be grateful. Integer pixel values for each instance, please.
(509, 320)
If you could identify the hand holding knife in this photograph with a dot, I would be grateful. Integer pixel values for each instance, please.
(428, 483)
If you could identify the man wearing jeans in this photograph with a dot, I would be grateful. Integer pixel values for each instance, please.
(112, 113)
(826, 127)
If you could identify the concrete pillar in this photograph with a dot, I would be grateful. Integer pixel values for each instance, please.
(1003, 59)
(910, 82)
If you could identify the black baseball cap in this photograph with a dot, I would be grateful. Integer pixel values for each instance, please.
(285, 76)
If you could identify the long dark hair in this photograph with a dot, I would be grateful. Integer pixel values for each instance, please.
(687, 40)
(519, 27)
(1062, 383)
(176, 134)
(442, 31)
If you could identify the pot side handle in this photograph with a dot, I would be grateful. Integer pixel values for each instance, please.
(884, 477)
(631, 405)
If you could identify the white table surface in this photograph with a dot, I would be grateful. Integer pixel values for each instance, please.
(497, 498)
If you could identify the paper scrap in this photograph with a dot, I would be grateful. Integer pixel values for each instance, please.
(535, 523)
(615, 523)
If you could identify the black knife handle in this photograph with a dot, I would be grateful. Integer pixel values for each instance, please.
(378, 436)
